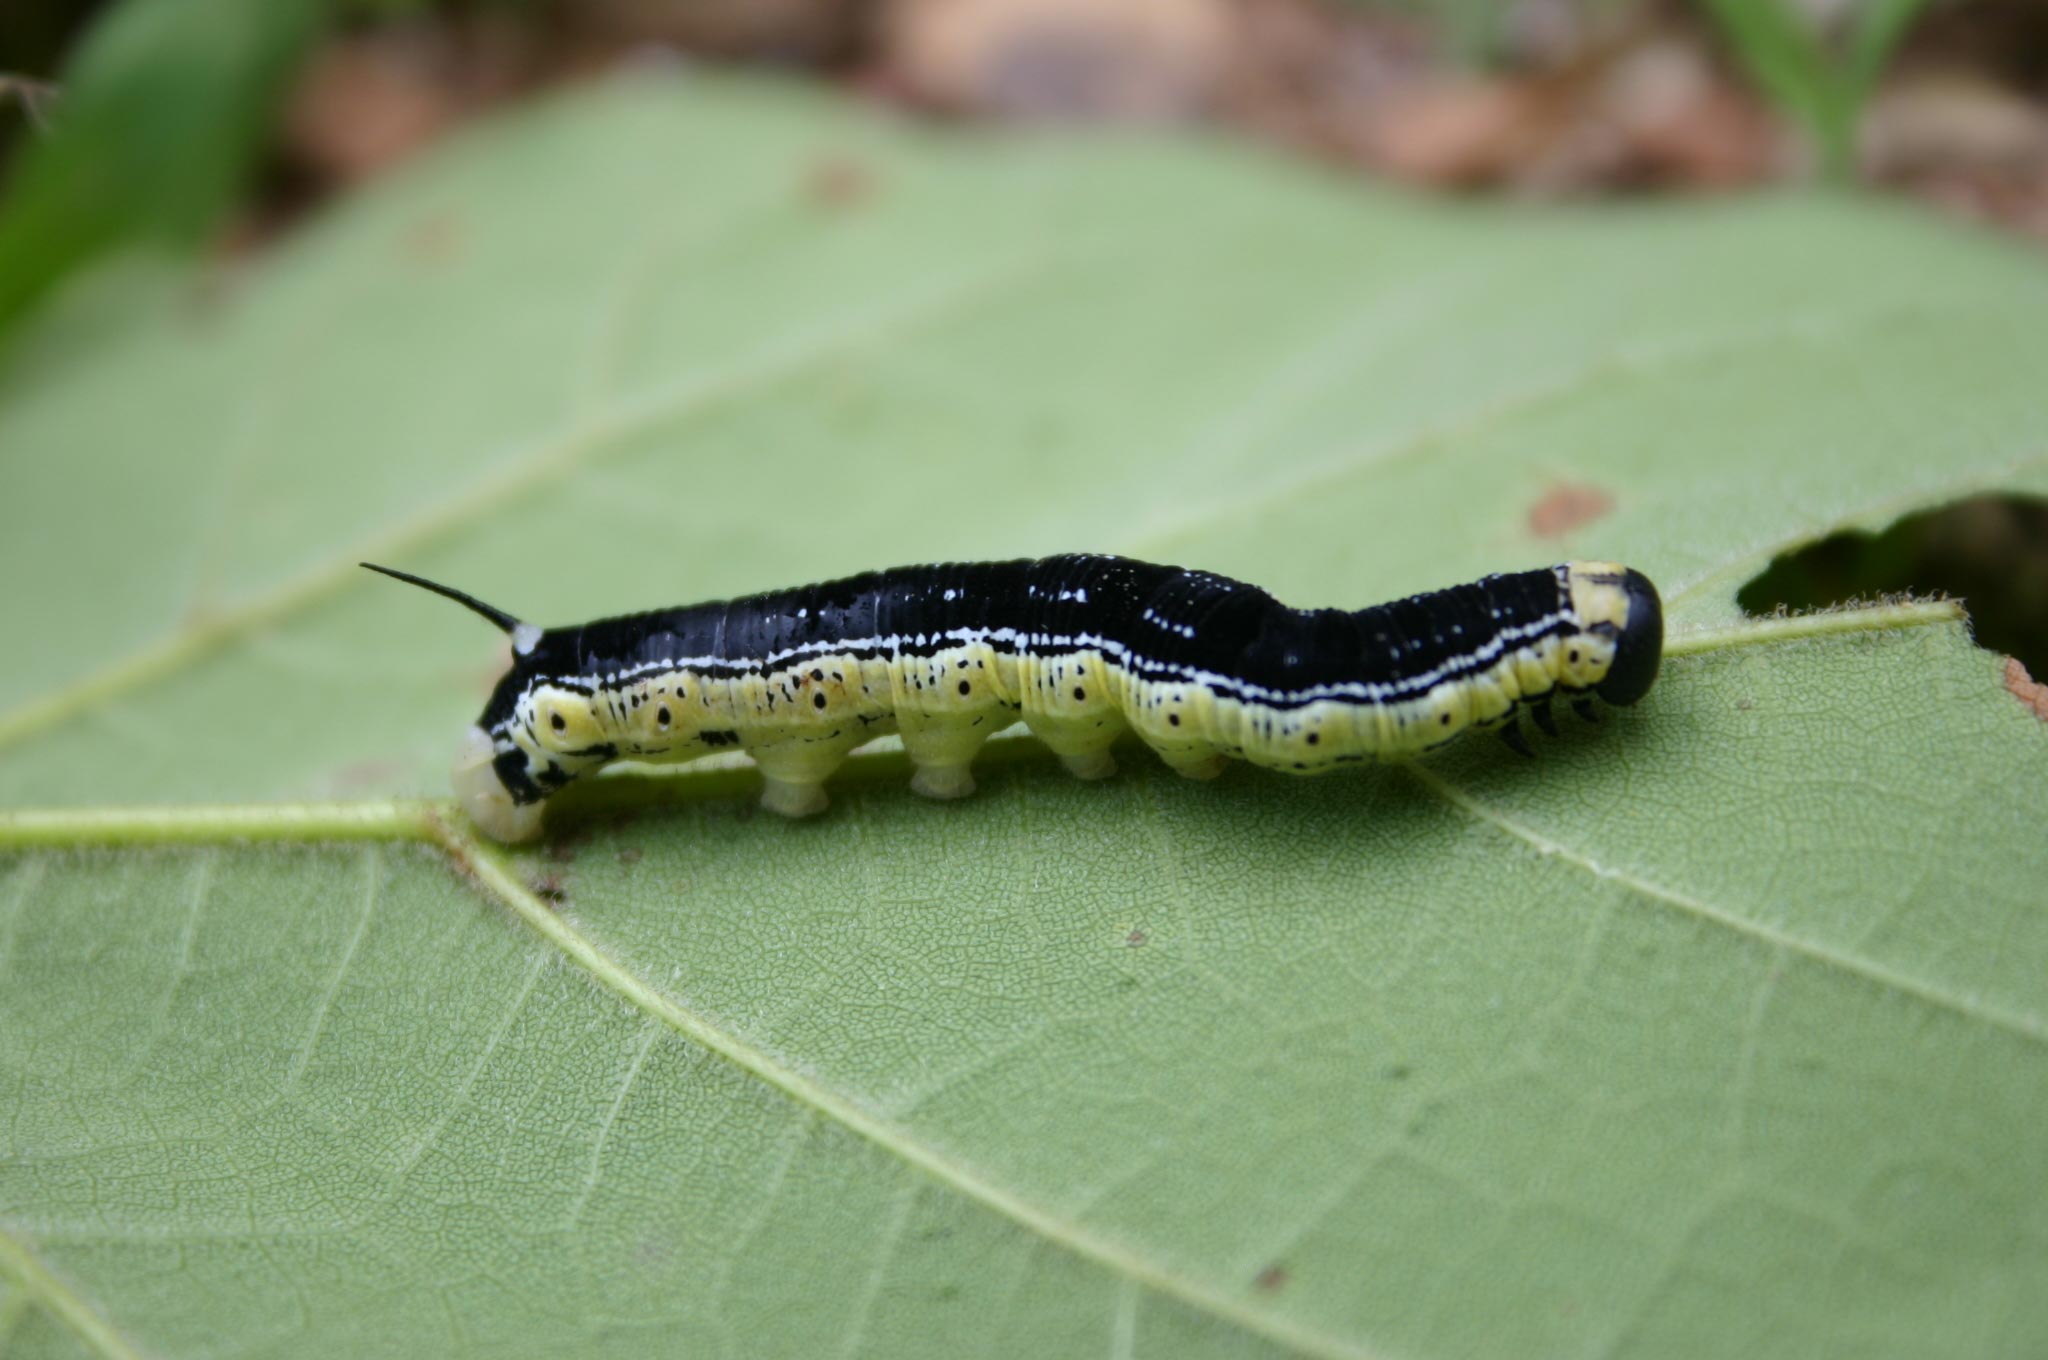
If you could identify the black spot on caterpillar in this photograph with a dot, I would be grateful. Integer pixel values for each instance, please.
(1082, 647)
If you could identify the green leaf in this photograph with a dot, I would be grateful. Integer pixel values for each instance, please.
(1719, 1030)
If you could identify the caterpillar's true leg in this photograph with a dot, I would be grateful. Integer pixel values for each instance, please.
(1540, 711)
(1511, 733)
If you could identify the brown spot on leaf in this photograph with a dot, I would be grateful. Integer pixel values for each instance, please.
(1568, 507)
(549, 888)
(1135, 939)
(432, 240)
(631, 855)
(2026, 688)
(1272, 1278)
(839, 182)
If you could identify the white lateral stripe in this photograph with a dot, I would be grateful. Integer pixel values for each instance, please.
(1040, 643)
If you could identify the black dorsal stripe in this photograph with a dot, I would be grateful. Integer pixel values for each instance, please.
(1162, 622)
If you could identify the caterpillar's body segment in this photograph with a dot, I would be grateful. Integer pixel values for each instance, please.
(1083, 648)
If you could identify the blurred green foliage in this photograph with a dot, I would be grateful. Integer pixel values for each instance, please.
(164, 104)
(1821, 79)
(1823, 85)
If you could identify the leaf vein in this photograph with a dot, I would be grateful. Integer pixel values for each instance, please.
(1123, 1326)
(882, 1256)
(1621, 361)
(544, 461)
(500, 881)
(650, 1032)
(67, 1305)
(372, 862)
(2028, 1027)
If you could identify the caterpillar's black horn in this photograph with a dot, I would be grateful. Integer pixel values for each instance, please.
(498, 616)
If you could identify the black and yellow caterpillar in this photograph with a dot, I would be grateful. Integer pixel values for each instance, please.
(1081, 647)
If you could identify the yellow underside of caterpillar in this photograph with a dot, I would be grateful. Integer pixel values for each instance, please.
(800, 723)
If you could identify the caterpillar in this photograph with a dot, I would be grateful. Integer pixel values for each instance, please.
(1081, 647)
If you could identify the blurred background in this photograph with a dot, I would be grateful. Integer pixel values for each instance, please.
(1945, 100)
(219, 125)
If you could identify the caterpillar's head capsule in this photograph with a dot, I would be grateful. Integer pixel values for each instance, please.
(1623, 623)
(495, 777)
(1638, 646)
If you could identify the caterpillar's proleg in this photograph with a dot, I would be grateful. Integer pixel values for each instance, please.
(1093, 764)
(794, 767)
(792, 797)
(1193, 767)
(1081, 648)
(942, 781)
(947, 704)
(1073, 703)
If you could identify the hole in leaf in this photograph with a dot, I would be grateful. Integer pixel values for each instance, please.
(1991, 552)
